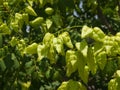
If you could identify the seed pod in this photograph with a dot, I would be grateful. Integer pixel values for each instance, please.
(58, 44)
(25, 17)
(31, 49)
(49, 10)
(13, 41)
(66, 39)
(86, 31)
(4, 29)
(48, 38)
(30, 11)
(98, 34)
(112, 85)
(37, 21)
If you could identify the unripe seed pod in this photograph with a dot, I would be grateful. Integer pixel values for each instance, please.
(49, 10)
(37, 21)
(30, 11)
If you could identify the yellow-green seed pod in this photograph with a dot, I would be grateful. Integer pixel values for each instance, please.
(37, 21)
(30, 11)
(49, 10)
(31, 49)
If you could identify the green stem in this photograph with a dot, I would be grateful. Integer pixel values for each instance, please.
(67, 28)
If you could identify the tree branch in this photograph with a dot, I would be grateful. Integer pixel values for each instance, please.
(118, 3)
(103, 19)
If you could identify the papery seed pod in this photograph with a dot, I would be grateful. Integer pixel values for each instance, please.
(30, 11)
(49, 10)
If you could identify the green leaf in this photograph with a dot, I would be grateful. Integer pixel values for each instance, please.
(110, 67)
(47, 74)
(28, 64)
(57, 20)
(98, 47)
(30, 70)
(2, 65)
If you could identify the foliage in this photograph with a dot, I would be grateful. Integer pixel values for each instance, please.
(59, 44)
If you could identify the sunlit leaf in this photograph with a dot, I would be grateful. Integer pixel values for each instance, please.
(31, 49)
(16, 62)
(86, 31)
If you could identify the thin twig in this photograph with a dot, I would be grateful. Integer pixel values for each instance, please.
(67, 28)
(103, 19)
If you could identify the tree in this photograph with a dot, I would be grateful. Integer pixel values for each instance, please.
(59, 44)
